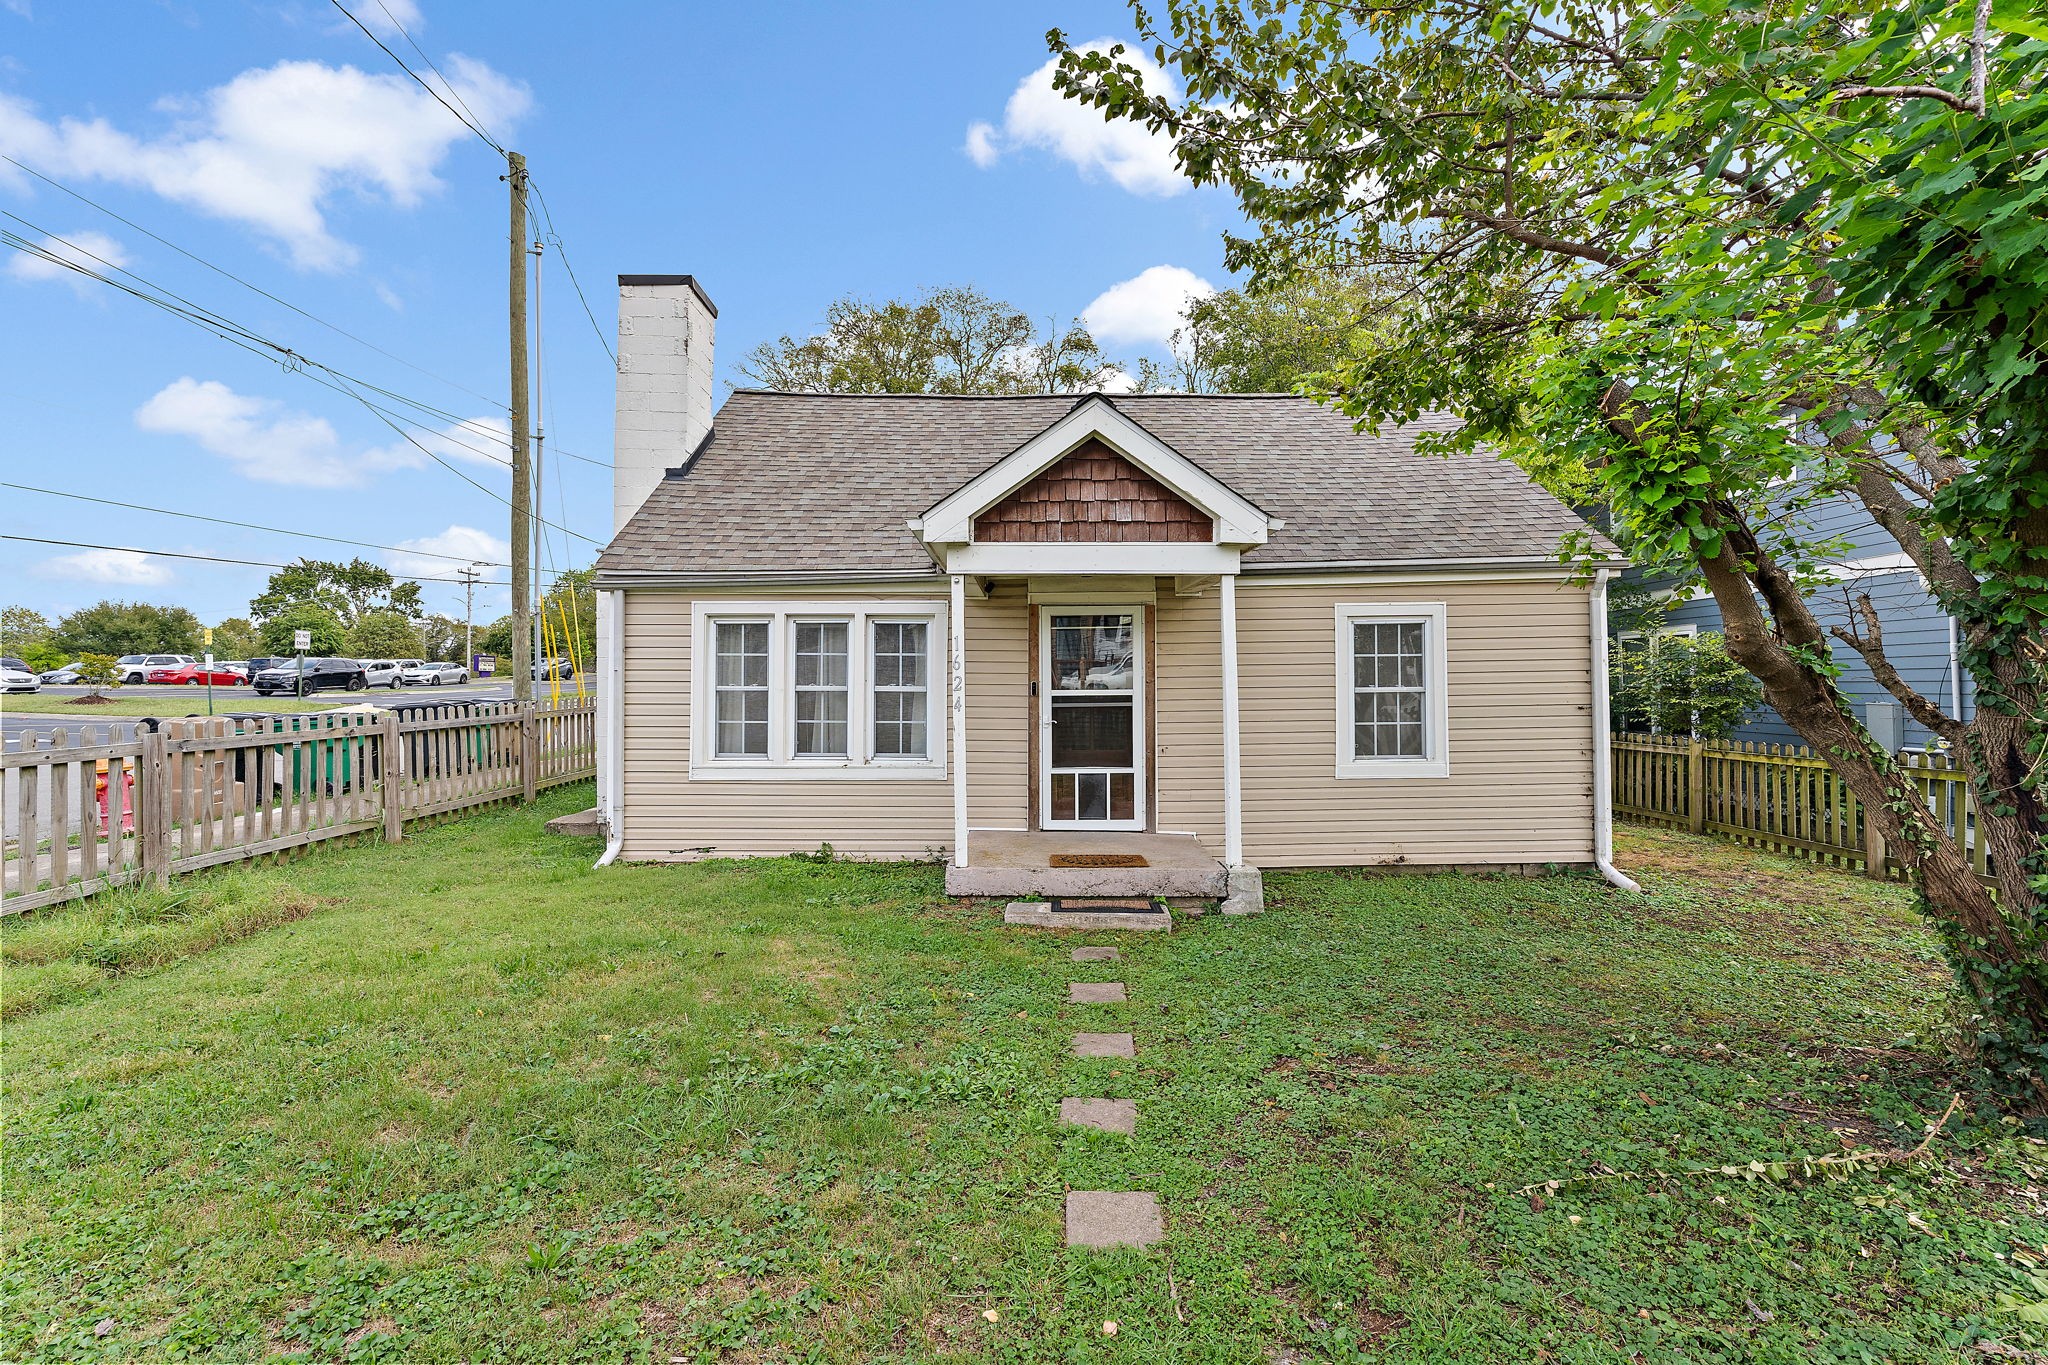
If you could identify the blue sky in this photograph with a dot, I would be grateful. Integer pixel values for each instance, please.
(783, 154)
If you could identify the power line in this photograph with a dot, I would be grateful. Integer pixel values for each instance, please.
(252, 526)
(413, 43)
(488, 140)
(229, 330)
(563, 251)
(229, 274)
(218, 559)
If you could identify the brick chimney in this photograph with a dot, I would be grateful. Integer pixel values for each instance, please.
(664, 389)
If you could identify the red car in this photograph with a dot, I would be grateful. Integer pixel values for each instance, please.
(196, 675)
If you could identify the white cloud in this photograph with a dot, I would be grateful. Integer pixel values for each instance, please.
(492, 446)
(270, 443)
(271, 147)
(386, 17)
(1136, 158)
(130, 567)
(431, 553)
(388, 296)
(80, 247)
(981, 144)
(1147, 307)
(20, 7)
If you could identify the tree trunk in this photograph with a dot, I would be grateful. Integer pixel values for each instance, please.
(1999, 952)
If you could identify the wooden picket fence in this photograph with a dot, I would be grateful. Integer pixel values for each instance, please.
(1780, 797)
(85, 812)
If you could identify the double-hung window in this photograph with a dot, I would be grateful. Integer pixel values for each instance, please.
(825, 689)
(1393, 702)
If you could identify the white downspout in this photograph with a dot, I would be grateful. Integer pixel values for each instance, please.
(1603, 754)
(611, 721)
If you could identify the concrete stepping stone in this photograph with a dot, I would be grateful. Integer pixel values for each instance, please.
(1104, 1045)
(1095, 993)
(1094, 954)
(1113, 1218)
(1041, 915)
(1109, 1116)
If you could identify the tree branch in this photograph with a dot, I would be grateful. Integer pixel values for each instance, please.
(1907, 92)
(1869, 642)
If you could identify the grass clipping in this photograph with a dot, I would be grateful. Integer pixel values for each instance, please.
(67, 952)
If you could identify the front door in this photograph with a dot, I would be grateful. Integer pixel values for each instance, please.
(1091, 718)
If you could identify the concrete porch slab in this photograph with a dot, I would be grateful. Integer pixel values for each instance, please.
(1113, 1218)
(1039, 915)
(1003, 862)
(582, 822)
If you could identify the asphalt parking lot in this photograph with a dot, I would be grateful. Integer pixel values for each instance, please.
(34, 712)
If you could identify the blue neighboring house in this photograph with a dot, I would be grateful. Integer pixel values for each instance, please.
(1919, 638)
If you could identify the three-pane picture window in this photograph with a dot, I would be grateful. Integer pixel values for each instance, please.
(827, 688)
(1392, 693)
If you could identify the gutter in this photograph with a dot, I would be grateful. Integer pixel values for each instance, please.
(611, 721)
(1603, 752)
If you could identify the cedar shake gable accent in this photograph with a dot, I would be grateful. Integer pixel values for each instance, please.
(1094, 494)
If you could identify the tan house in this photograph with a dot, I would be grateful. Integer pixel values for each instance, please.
(1218, 633)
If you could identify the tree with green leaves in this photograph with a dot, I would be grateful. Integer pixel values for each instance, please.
(571, 607)
(347, 591)
(1688, 685)
(330, 636)
(119, 628)
(384, 635)
(950, 340)
(98, 672)
(21, 627)
(1292, 334)
(1709, 266)
(236, 638)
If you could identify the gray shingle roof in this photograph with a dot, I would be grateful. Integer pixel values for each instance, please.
(824, 483)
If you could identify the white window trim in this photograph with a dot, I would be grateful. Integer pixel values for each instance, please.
(1436, 759)
(782, 763)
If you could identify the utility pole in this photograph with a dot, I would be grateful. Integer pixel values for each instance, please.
(522, 473)
(469, 577)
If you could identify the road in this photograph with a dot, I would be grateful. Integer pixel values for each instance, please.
(40, 712)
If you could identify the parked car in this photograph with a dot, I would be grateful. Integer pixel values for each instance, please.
(433, 675)
(15, 677)
(265, 662)
(134, 668)
(67, 676)
(316, 675)
(554, 668)
(197, 675)
(240, 666)
(382, 672)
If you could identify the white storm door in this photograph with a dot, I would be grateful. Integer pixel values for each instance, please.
(1091, 718)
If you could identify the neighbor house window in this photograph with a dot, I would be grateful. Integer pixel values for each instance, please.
(1392, 698)
(827, 689)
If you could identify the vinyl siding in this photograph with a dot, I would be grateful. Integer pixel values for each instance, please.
(1520, 785)
(1521, 768)
(668, 816)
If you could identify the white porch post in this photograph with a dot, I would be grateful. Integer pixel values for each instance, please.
(957, 699)
(1233, 796)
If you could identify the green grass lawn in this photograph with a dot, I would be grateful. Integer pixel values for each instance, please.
(467, 1099)
(188, 701)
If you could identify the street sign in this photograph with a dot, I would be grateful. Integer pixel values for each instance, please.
(302, 639)
(209, 637)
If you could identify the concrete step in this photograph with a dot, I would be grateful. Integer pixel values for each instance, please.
(1202, 882)
(1041, 915)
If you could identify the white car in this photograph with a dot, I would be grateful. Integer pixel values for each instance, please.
(134, 668)
(16, 677)
(382, 672)
(433, 675)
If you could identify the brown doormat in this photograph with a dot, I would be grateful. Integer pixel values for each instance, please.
(1097, 860)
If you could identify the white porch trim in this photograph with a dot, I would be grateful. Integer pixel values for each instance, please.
(1233, 789)
(1038, 558)
(956, 694)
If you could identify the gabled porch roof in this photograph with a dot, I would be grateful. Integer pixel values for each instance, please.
(1232, 522)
